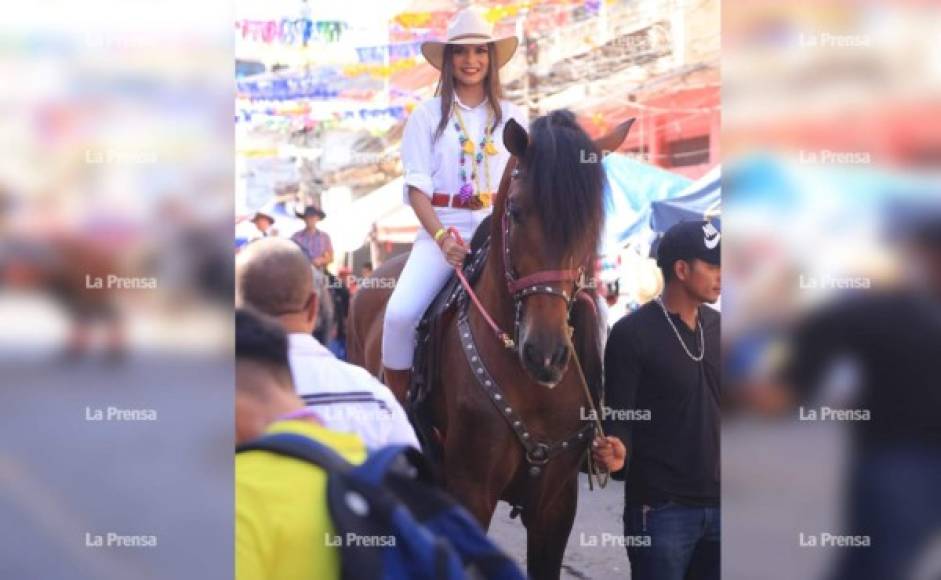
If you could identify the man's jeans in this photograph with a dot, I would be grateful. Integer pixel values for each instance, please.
(683, 542)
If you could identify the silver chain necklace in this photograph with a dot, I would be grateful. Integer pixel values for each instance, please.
(702, 340)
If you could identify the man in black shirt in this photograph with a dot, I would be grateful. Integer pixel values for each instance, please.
(893, 337)
(662, 391)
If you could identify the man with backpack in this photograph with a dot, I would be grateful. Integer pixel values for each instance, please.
(309, 506)
(274, 277)
(280, 516)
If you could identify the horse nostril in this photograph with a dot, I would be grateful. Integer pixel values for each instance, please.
(560, 358)
(536, 358)
(530, 355)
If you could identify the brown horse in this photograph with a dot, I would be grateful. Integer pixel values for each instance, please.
(508, 418)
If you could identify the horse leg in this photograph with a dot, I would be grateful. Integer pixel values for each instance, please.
(464, 473)
(475, 498)
(548, 523)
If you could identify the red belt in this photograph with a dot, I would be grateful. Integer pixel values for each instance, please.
(448, 200)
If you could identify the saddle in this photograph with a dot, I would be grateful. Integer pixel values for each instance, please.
(427, 355)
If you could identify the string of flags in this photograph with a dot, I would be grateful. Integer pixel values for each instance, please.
(395, 112)
(397, 51)
(272, 94)
(300, 31)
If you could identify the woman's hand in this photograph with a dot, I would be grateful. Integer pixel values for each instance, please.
(453, 251)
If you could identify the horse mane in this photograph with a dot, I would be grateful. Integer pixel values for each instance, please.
(563, 174)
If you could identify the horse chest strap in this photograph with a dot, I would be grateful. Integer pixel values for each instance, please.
(537, 453)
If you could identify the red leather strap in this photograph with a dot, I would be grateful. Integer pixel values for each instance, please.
(507, 341)
(544, 277)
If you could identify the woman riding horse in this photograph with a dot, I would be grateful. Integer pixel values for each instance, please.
(451, 162)
(507, 402)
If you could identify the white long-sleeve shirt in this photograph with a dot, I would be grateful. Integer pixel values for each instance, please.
(346, 397)
(433, 166)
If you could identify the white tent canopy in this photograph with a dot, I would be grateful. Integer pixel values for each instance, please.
(398, 227)
(350, 226)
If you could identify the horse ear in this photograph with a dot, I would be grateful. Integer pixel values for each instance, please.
(515, 138)
(613, 140)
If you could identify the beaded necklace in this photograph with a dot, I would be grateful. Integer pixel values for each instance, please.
(471, 186)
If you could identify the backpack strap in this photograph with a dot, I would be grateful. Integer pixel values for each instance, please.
(298, 447)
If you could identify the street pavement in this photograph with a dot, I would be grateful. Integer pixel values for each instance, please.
(597, 521)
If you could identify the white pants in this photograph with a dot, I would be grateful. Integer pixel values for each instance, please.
(425, 273)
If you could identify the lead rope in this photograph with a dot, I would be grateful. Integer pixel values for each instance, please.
(593, 469)
(501, 335)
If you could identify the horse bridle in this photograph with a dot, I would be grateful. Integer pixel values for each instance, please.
(538, 453)
(541, 282)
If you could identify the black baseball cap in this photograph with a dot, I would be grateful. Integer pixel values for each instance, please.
(690, 240)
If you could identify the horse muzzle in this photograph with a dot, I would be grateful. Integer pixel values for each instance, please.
(545, 364)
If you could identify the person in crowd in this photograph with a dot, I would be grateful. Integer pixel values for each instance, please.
(453, 157)
(366, 270)
(342, 293)
(281, 518)
(347, 280)
(891, 336)
(264, 223)
(662, 377)
(315, 243)
(273, 276)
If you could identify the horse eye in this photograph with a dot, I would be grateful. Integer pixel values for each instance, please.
(515, 173)
(516, 214)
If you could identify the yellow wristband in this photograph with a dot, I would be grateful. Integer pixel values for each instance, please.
(440, 234)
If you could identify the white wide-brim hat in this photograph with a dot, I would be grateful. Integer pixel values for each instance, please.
(469, 27)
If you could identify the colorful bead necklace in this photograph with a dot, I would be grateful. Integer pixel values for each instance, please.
(471, 186)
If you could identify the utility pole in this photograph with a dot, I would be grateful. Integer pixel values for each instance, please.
(530, 78)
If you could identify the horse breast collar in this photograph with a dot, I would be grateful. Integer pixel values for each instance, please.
(537, 453)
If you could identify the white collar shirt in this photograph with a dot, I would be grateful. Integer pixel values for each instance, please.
(432, 166)
(346, 397)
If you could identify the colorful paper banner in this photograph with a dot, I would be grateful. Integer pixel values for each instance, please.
(291, 31)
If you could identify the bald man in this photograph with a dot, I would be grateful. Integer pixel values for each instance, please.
(273, 276)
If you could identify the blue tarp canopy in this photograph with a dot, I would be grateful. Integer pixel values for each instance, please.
(632, 187)
(701, 200)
